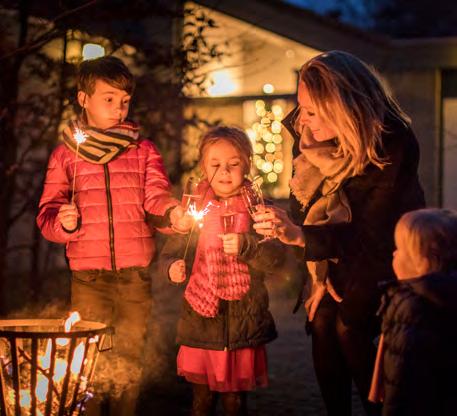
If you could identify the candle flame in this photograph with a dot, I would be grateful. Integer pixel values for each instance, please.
(80, 136)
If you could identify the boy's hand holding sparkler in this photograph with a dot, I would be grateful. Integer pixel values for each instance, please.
(181, 221)
(68, 217)
(177, 271)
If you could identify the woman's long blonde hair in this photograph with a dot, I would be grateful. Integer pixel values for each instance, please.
(353, 100)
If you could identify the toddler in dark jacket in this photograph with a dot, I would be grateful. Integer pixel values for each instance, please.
(419, 359)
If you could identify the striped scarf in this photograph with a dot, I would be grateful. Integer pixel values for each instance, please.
(100, 146)
(216, 275)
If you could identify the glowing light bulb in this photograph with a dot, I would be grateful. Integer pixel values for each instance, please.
(268, 89)
(276, 127)
(277, 110)
(258, 148)
(272, 177)
(260, 104)
(277, 138)
(267, 167)
(251, 134)
(278, 166)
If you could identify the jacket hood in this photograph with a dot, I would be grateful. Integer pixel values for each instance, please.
(438, 288)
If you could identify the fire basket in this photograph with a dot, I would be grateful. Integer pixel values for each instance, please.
(46, 365)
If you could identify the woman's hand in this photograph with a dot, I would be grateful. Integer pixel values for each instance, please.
(177, 271)
(318, 291)
(68, 216)
(181, 222)
(274, 222)
(232, 243)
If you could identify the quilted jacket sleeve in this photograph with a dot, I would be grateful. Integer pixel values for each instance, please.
(173, 250)
(158, 196)
(265, 257)
(56, 190)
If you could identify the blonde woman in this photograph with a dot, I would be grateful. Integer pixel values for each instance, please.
(355, 174)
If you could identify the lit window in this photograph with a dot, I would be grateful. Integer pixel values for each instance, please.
(222, 83)
(92, 51)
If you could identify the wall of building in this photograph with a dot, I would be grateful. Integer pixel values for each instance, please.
(418, 93)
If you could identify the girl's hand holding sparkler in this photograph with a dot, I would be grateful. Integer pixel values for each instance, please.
(68, 217)
(232, 243)
(177, 271)
(181, 221)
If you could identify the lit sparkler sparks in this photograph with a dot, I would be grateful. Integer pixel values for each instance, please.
(197, 215)
(80, 136)
(201, 213)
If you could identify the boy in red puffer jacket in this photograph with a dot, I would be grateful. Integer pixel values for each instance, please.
(95, 200)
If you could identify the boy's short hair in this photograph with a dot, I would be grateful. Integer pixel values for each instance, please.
(233, 135)
(107, 68)
(432, 233)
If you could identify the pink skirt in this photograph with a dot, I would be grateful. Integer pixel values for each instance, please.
(224, 371)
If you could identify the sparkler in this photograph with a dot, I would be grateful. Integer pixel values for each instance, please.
(198, 215)
(80, 137)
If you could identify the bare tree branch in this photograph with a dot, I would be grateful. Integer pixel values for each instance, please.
(46, 37)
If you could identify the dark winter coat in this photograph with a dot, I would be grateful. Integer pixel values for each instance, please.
(364, 246)
(420, 344)
(240, 323)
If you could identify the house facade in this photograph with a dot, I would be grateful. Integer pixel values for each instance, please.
(268, 41)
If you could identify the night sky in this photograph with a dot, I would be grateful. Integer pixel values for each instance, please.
(352, 11)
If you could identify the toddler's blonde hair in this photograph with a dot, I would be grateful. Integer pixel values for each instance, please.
(431, 233)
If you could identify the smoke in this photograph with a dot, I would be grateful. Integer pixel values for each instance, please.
(58, 309)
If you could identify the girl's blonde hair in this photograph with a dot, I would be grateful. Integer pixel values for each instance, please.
(431, 233)
(233, 135)
(353, 100)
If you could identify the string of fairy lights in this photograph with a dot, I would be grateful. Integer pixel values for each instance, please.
(267, 141)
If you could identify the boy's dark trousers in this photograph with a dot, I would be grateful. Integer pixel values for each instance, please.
(120, 299)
